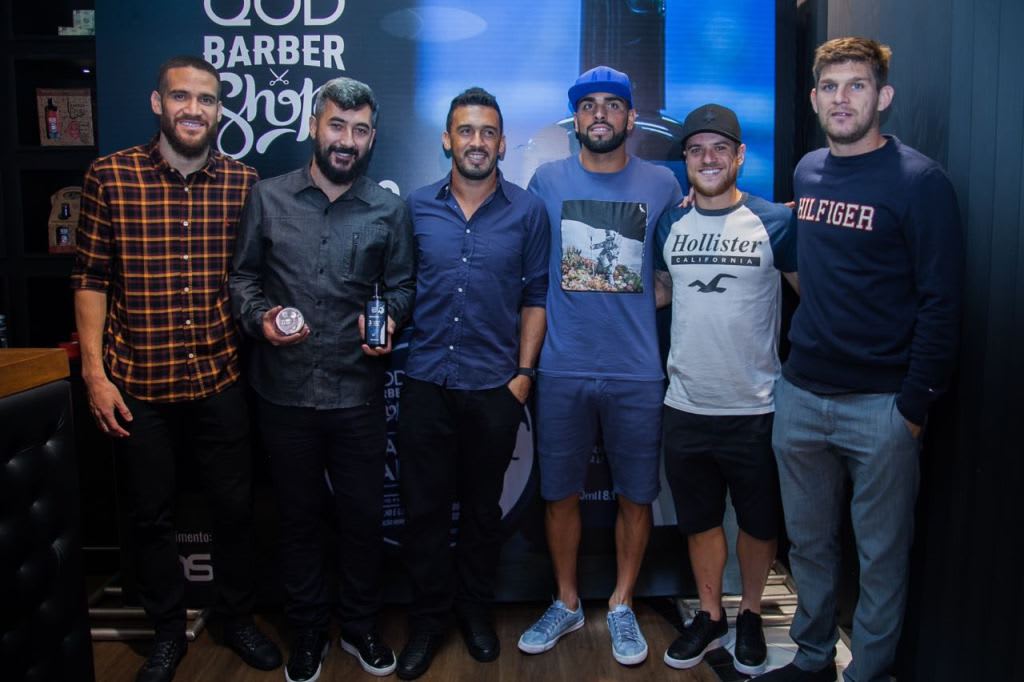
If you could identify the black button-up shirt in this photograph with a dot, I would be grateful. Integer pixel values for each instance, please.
(473, 277)
(296, 248)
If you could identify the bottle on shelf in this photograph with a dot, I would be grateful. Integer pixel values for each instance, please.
(52, 121)
(4, 341)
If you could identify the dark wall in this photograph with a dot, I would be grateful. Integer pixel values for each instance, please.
(957, 72)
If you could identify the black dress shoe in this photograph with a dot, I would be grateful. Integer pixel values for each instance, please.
(480, 637)
(375, 656)
(163, 660)
(252, 646)
(418, 653)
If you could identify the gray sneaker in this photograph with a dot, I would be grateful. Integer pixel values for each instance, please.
(557, 621)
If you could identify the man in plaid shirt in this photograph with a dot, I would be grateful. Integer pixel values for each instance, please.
(160, 351)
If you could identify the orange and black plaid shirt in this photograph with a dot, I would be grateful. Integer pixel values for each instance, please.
(160, 245)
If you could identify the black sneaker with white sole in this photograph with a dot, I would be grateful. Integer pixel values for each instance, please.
(699, 637)
(309, 649)
(751, 652)
(374, 655)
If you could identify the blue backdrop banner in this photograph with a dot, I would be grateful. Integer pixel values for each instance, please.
(273, 55)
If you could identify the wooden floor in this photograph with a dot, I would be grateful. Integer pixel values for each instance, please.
(583, 656)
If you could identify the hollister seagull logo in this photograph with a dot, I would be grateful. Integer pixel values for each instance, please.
(712, 286)
(709, 116)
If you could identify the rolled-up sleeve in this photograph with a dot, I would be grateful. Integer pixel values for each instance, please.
(94, 248)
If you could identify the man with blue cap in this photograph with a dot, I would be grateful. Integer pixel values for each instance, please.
(600, 369)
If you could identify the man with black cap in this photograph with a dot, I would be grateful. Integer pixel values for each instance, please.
(723, 254)
(600, 369)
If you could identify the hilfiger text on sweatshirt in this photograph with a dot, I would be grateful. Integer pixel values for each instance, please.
(837, 213)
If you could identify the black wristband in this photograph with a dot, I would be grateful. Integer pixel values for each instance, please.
(527, 372)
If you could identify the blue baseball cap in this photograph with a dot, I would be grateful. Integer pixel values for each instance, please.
(601, 79)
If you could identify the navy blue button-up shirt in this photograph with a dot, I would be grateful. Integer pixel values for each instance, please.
(472, 278)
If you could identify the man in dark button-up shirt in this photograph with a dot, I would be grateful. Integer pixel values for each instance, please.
(482, 256)
(317, 239)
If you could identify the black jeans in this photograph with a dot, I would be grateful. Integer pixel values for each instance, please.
(349, 446)
(453, 445)
(216, 431)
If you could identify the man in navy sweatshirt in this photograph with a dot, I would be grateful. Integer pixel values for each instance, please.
(873, 344)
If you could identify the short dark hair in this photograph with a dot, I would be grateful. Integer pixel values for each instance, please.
(347, 93)
(185, 61)
(854, 49)
(474, 97)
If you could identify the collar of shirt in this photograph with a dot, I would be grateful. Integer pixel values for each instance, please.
(444, 189)
(213, 160)
(303, 181)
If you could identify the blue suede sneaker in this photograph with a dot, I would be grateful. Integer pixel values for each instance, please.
(628, 644)
(557, 621)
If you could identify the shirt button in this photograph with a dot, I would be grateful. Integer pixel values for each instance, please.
(456, 319)
(188, 322)
(468, 230)
(321, 271)
(191, 356)
(185, 257)
(187, 289)
(464, 260)
(323, 241)
(451, 347)
(184, 223)
(187, 188)
(459, 290)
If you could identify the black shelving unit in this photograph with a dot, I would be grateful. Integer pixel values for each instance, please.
(34, 291)
(34, 287)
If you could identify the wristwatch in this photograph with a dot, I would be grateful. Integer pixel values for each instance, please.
(527, 372)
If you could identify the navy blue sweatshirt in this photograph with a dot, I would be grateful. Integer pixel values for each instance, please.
(881, 270)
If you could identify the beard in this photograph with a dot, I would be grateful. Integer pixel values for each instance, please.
(851, 136)
(187, 148)
(339, 176)
(471, 172)
(602, 146)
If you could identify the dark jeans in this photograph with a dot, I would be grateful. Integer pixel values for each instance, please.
(453, 445)
(347, 445)
(216, 431)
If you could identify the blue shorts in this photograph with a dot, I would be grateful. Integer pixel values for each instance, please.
(570, 411)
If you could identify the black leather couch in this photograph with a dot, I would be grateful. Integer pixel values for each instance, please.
(44, 622)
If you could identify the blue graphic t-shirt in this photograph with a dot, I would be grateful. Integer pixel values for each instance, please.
(600, 306)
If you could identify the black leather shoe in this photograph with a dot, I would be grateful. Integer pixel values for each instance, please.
(480, 637)
(418, 653)
(750, 652)
(163, 660)
(375, 656)
(305, 660)
(252, 646)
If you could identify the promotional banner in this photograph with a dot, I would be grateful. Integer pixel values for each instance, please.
(273, 55)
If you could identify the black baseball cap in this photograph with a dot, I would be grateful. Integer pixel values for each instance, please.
(712, 118)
